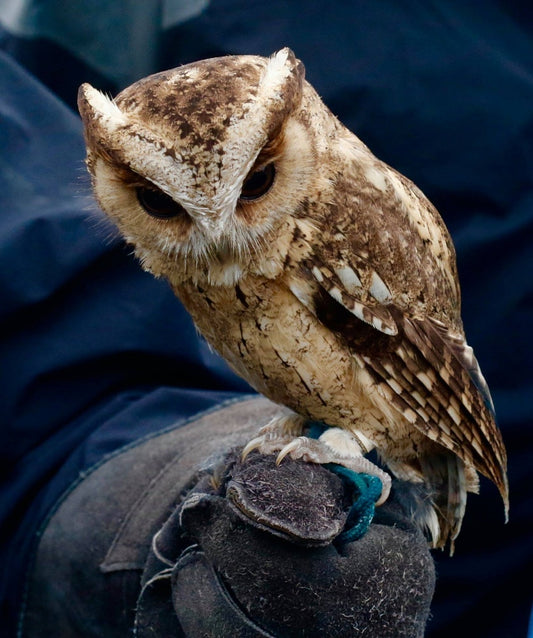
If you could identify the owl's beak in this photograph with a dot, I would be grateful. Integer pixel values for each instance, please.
(213, 221)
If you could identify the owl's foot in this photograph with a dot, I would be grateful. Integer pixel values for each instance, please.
(283, 435)
(318, 451)
(275, 435)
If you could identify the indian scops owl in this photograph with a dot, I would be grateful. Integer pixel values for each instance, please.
(324, 277)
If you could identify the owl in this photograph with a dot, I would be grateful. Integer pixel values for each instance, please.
(324, 277)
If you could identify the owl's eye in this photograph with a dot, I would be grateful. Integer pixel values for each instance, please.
(159, 204)
(258, 183)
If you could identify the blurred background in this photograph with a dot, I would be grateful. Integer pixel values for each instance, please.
(442, 91)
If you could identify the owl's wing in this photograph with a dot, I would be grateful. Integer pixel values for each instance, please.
(423, 370)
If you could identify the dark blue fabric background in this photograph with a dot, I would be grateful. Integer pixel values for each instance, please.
(95, 353)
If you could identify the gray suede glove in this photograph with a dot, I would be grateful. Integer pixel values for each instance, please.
(258, 552)
(175, 536)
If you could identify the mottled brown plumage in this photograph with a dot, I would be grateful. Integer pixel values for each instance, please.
(324, 277)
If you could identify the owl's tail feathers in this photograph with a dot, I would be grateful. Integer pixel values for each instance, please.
(449, 480)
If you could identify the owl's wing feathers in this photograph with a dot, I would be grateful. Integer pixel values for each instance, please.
(432, 385)
(425, 371)
(347, 286)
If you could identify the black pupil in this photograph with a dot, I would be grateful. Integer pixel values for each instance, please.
(258, 183)
(158, 204)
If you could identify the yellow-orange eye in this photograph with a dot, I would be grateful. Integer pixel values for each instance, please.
(258, 183)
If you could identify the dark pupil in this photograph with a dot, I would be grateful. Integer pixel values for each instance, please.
(158, 204)
(258, 183)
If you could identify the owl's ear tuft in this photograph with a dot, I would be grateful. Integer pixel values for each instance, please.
(281, 85)
(100, 115)
(283, 75)
(285, 60)
(101, 119)
(93, 104)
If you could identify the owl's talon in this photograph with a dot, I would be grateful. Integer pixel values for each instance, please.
(251, 446)
(290, 447)
(275, 435)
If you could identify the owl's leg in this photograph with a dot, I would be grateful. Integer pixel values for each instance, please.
(283, 435)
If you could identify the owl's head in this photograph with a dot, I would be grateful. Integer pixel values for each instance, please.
(198, 165)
